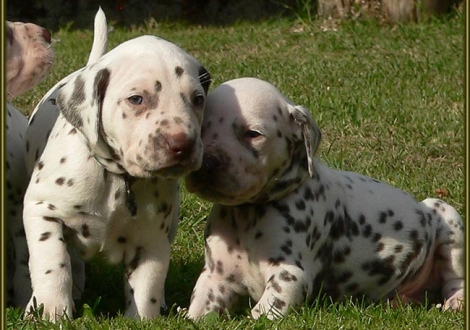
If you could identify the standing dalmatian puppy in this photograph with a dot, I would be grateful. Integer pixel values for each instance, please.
(285, 227)
(29, 57)
(108, 178)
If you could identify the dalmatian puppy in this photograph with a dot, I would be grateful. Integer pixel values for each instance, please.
(108, 178)
(285, 227)
(29, 57)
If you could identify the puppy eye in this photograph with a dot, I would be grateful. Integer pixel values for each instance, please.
(198, 100)
(252, 134)
(135, 99)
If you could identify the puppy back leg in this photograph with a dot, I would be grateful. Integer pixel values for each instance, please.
(449, 253)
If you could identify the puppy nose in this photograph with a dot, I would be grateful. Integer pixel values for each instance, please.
(46, 35)
(180, 144)
(210, 163)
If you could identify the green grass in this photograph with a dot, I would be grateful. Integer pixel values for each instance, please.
(389, 101)
(324, 317)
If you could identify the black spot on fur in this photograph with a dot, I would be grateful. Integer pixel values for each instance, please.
(44, 236)
(382, 217)
(308, 195)
(158, 86)
(179, 71)
(52, 219)
(219, 268)
(300, 204)
(367, 231)
(376, 237)
(362, 219)
(278, 303)
(383, 268)
(287, 277)
(398, 225)
(287, 250)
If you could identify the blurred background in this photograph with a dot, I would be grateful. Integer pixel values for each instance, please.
(78, 14)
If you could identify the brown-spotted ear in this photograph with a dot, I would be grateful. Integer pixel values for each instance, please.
(204, 79)
(80, 101)
(310, 131)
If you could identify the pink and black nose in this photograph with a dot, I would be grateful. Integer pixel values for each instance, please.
(180, 145)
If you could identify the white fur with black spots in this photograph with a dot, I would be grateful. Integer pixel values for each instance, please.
(126, 129)
(285, 227)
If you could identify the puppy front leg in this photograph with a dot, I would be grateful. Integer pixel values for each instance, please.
(285, 287)
(212, 293)
(145, 279)
(49, 264)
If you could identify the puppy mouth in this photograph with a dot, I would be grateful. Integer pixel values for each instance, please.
(167, 164)
(213, 195)
(172, 172)
(208, 190)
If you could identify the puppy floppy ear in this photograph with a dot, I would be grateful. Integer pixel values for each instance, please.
(80, 101)
(310, 131)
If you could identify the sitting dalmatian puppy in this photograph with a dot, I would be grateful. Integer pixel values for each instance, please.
(29, 57)
(285, 227)
(108, 178)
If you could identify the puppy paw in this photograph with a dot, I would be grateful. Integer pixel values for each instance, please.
(49, 309)
(455, 302)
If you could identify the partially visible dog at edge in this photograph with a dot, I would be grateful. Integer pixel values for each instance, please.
(29, 57)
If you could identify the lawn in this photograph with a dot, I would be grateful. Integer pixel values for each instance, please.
(389, 101)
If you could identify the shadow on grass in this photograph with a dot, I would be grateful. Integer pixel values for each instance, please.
(104, 287)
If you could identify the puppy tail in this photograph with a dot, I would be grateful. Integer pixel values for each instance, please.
(100, 38)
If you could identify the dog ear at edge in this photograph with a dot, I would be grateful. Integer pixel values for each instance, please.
(310, 131)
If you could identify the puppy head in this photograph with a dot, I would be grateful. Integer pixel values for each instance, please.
(140, 107)
(29, 56)
(258, 146)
